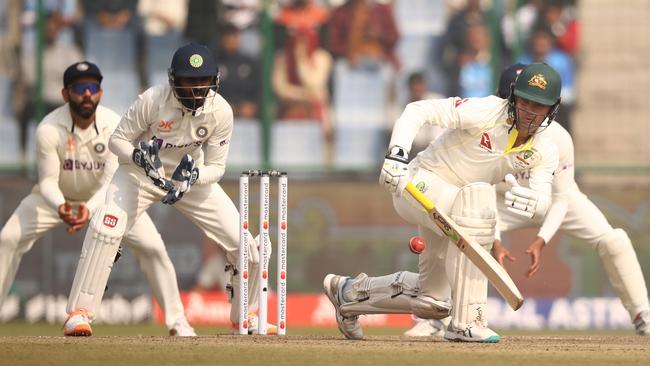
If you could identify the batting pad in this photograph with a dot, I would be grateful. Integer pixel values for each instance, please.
(101, 243)
(474, 210)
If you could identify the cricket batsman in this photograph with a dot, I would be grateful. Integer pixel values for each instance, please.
(183, 129)
(573, 213)
(74, 168)
(486, 139)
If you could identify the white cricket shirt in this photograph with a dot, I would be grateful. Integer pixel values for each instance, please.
(478, 145)
(74, 164)
(204, 135)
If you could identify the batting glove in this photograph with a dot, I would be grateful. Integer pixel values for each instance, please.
(524, 201)
(394, 172)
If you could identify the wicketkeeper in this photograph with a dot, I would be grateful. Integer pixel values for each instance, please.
(182, 128)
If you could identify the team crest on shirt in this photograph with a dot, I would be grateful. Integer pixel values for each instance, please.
(485, 143)
(538, 80)
(526, 159)
(99, 147)
(201, 132)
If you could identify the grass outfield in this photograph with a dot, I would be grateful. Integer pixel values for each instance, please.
(144, 345)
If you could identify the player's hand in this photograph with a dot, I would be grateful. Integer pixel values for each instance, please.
(146, 157)
(80, 220)
(535, 251)
(65, 213)
(394, 172)
(500, 253)
(524, 201)
(184, 176)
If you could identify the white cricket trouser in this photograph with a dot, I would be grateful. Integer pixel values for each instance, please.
(431, 266)
(586, 222)
(34, 218)
(206, 205)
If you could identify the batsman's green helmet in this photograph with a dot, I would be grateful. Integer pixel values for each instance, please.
(539, 83)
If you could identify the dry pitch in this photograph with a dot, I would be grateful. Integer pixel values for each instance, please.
(22, 344)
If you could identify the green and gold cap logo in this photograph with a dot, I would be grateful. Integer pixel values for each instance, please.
(538, 80)
(196, 60)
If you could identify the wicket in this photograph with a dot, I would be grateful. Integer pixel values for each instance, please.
(264, 247)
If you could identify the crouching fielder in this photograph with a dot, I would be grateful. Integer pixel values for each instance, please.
(574, 214)
(486, 139)
(184, 128)
(74, 167)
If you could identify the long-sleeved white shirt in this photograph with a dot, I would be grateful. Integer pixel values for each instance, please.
(564, 184)
(74, 164)
(478, 143)
(158, 113)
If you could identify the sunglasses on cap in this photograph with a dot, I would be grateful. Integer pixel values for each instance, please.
(81, 88)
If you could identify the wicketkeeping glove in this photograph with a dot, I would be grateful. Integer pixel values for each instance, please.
(146, 157)
(524, 201)
(185, 175)
(394, 172)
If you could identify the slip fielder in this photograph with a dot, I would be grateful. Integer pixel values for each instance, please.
(74, 167)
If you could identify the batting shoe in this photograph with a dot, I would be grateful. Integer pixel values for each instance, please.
(182, 328)
(642, 323)
(349, 326)
(78, 324)
(472, 333)
(427, 328)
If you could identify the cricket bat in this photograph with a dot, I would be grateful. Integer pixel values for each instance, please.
(489, 266)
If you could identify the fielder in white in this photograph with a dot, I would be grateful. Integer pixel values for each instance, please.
(74, 167)
(486, 139)
(574, 214)
(184, 128)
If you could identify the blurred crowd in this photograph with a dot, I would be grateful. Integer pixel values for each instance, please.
(340, 70)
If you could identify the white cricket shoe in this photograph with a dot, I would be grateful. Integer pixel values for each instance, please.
(349, 326)
(473, 333)
(642, 323)
(78, 324)
(182, 328)
(426, 328)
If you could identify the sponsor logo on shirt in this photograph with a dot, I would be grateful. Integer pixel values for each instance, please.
(169, 145)
(74, 164)
(486, 144)
(110, 220)
(223, 142)
(165, 126)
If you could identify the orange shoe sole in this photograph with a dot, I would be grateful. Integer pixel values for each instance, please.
(82, 330)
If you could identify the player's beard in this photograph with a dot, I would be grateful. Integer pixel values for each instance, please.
(85, 109)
